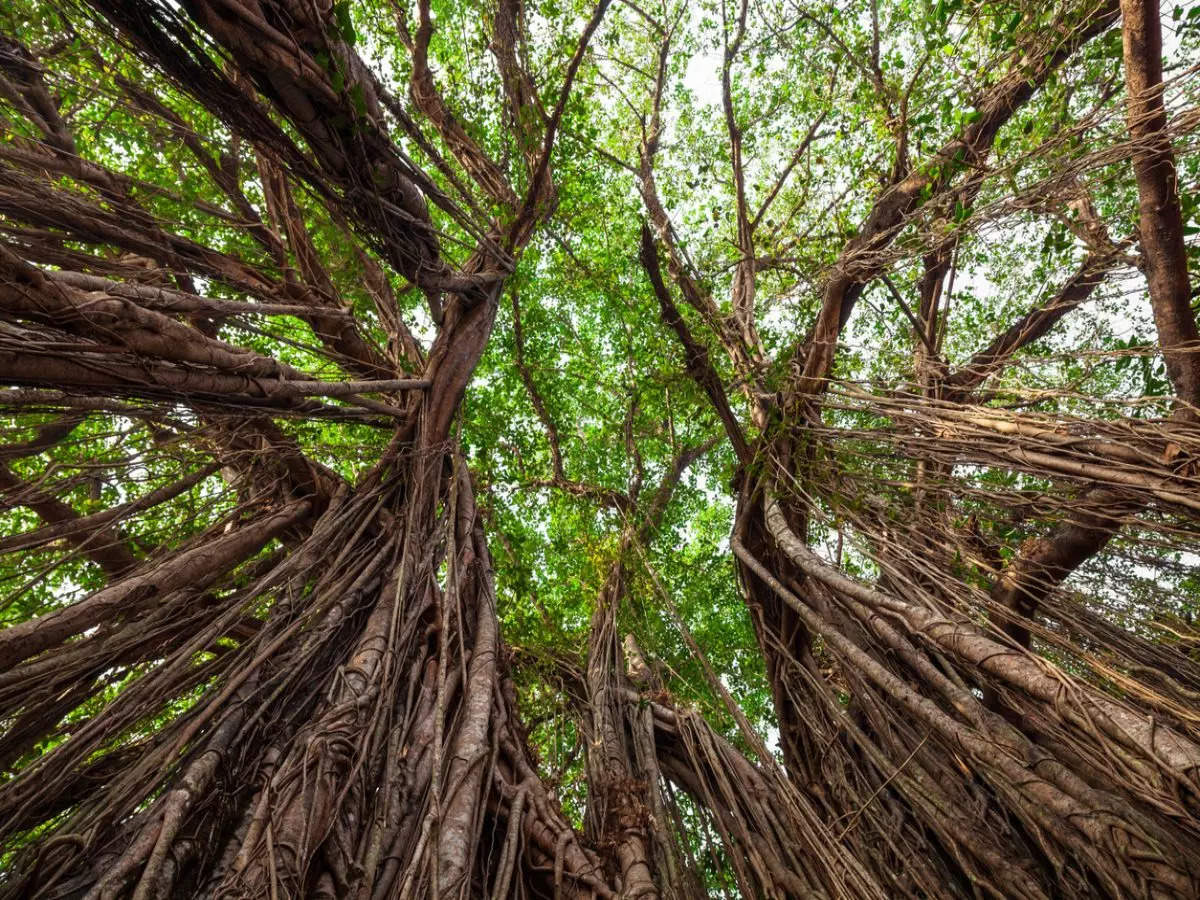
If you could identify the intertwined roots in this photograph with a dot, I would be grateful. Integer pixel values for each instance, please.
(251, 643)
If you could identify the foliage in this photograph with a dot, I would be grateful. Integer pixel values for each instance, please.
(667, 450)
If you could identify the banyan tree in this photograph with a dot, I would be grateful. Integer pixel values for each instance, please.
(607, 450)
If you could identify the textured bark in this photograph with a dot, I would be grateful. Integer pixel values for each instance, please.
(1033, 326)
(1160, 218)
(102, 545)
(349, 727)
(338, 717)
(196, 568)
(862, 259)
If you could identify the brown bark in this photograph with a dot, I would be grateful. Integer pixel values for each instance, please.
(864, 257)
(1031, 327)
(194, 568)
(699, 366)
(92, 527)
(337, 720)
(1160, 218)
(1049, 800)
(101, 544)
(348, 729)
(1045, 562)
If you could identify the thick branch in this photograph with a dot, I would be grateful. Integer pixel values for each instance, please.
(101, 545)
(862, 258)
(80, 529)
(1160, 217)
(1031, 327)
(194, 568)
(698, 364)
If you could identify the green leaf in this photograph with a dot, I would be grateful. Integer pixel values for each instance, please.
(341, 18)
